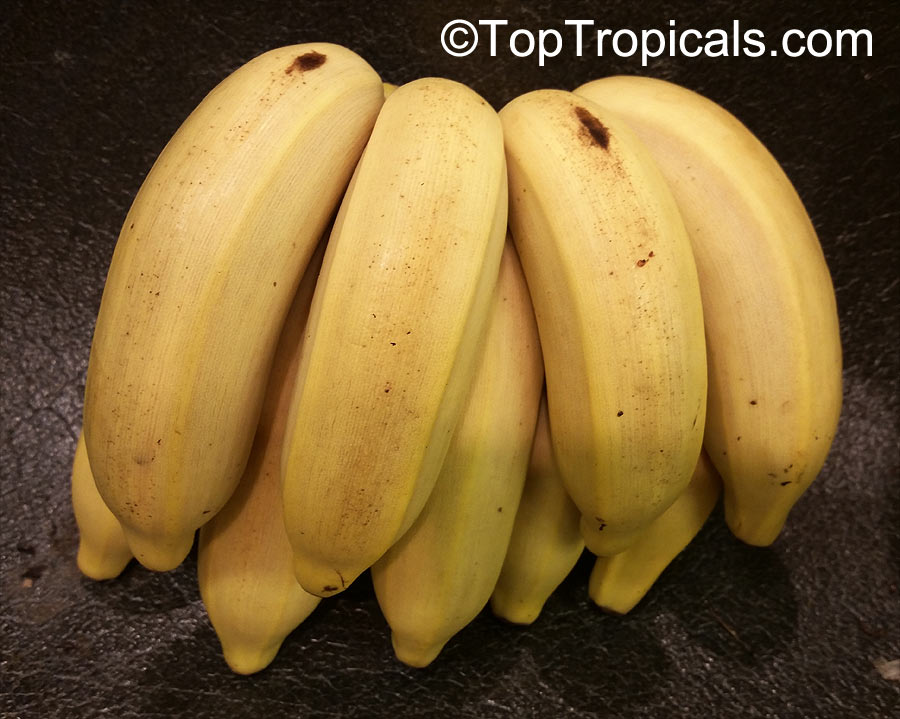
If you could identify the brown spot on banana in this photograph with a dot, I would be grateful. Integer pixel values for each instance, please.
(592, 128)
(306, 61)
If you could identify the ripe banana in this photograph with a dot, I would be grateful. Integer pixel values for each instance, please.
(618, 583)
(202, 276)
(617, 303)
(245, 565)
(546, 540)
(102, 550)
(770, 311)
(440, 574)
(392, 337)
(389, 88)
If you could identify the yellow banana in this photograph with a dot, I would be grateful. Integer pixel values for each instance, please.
(546, 540)
(771, 317)
(617, 303)
(440, 574)
(245, 565)
(389, 88)
(102, 550)
(618, 583)
(393, 330)
(203, 273)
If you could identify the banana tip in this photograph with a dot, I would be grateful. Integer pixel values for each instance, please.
(322, 581)
(513, 612)
(604, 540)
(611, 608)
(248, 660)
(159, 553)
(415, 653)
(758, 529)
(99, 567)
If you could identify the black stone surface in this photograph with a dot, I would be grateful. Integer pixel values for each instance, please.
(91, 91)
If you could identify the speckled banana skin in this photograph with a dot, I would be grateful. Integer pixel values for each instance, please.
(617, 301)
(201, 279)
(393, 333)
(772, 331)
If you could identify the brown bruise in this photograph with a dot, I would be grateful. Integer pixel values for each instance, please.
(592, 128)
(307, 61)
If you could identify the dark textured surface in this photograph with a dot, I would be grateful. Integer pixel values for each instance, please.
(91, 91)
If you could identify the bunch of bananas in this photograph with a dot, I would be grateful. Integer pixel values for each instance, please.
(343, 332)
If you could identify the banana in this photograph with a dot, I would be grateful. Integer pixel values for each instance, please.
(618, 583)
(201, 279)
(102, 550)
(546, 540)
(391, 342)
(771, 317)
(245, 565)
(389, 88)
(617, 303)
(440, 574)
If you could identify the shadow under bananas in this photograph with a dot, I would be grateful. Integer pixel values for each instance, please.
(734, 601)
(588, 662)
(320, 670)
(566, 662)
(138, 590)
(340, 662)
(718, 598)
